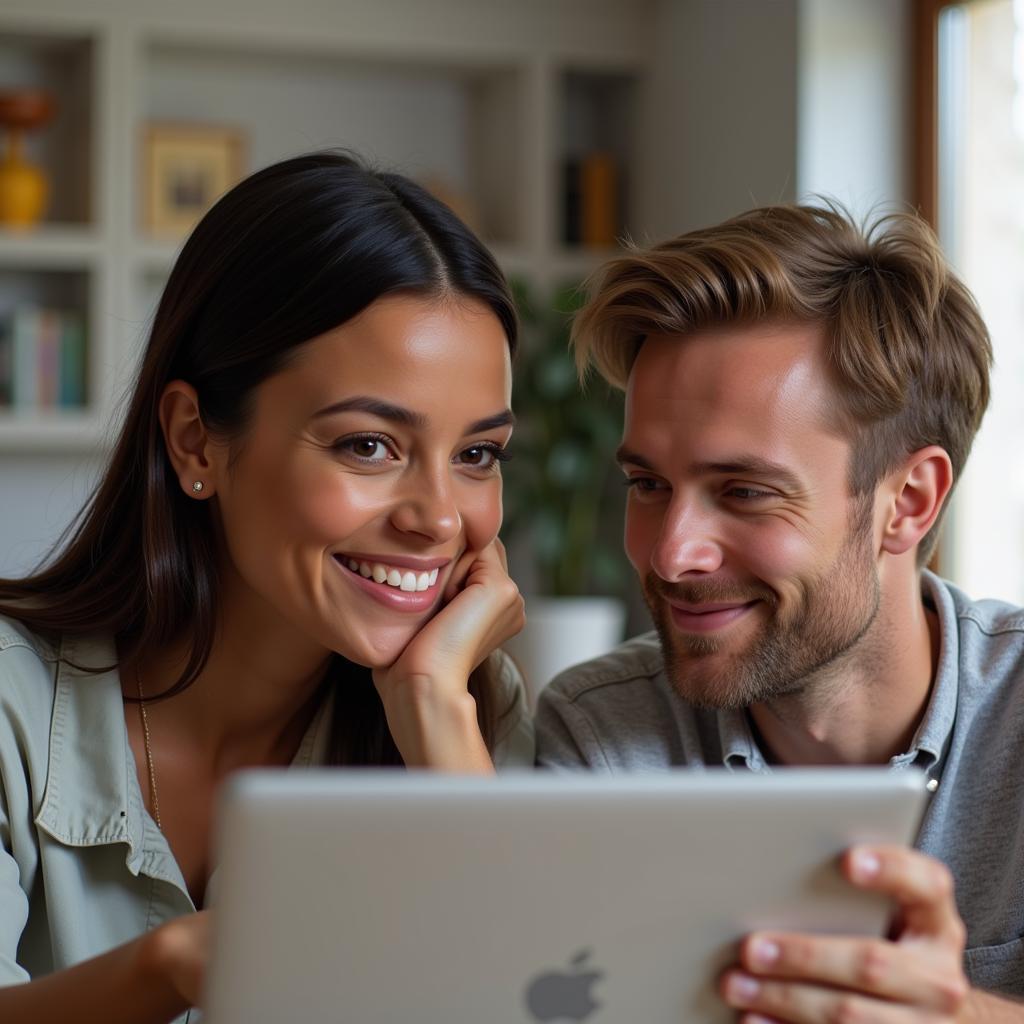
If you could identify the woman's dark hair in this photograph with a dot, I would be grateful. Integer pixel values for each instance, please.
(291, 252)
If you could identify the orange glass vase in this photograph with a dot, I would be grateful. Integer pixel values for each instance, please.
(24, 188)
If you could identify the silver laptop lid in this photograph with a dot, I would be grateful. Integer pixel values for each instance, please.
(393, 898)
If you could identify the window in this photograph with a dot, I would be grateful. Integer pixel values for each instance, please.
(979, 212)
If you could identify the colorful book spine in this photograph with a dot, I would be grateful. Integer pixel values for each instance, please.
(42, 359)
(72, 362)
(598, 206)
(6, 364)
(25, 330)
(48, 358)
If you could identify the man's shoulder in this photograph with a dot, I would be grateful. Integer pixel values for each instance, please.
(988, 616)
(638, 660)
(990, 636)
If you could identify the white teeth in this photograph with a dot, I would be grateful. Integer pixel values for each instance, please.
(403, 579)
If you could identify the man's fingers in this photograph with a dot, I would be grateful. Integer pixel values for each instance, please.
(921, 885)
(795, 1003)
(929, 978)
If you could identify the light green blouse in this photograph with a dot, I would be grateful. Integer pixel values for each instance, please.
(83, 867)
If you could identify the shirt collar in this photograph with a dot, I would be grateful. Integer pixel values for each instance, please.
(736, 741)
(89, 798)
(92, 795)
(936, 726)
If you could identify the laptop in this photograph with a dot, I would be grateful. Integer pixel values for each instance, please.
(405, 898)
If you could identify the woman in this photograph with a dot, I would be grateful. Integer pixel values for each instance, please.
(291, 559)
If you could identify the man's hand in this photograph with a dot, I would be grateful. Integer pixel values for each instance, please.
(917, 975)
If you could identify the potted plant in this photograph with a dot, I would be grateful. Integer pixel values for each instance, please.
(563, 519)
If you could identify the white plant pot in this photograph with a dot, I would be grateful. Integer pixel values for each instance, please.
(563, 631)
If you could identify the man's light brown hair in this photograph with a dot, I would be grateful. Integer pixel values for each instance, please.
(908, 350)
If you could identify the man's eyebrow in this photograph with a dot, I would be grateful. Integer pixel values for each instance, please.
(750, 464)
(407, 417)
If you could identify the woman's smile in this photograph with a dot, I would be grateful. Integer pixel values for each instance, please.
(398, 582)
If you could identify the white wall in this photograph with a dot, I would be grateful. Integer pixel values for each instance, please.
(721, 112)
(855, 127)
(38, 496)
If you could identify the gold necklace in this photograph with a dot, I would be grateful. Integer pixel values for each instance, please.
(154, 799)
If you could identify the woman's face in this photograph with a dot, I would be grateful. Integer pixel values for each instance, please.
(368, 477)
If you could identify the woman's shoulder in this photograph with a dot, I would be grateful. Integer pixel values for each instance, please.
(28, 661)
(514, 746)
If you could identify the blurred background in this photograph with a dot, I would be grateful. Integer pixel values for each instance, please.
(555, 128)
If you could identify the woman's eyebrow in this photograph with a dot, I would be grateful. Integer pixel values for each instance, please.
(376, 407)
(505, 418)
(407, 417)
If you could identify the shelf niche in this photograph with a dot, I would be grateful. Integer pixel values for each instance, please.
(596, 147)
(64, 67)
(454, 127)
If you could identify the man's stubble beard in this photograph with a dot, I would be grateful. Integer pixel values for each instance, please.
(835, 612)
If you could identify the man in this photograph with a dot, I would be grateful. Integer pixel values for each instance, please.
(800, 400)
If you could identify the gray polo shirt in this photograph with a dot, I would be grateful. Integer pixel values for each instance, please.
(619, 712)
(83, 867)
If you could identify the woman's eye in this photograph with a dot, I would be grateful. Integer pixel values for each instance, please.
(367, 449)
(483, 456)
(642, 483)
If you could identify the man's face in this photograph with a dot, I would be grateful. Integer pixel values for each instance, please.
(758, 566)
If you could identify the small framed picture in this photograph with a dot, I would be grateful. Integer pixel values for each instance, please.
(186, 168)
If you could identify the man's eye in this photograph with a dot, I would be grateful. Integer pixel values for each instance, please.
(747, 493)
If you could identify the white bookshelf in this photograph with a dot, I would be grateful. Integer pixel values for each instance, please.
(486, 108)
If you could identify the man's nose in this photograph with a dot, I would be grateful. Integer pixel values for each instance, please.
(426, 506)
(687, 541)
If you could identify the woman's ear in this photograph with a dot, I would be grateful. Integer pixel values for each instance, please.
(188, 443)
(918, 489)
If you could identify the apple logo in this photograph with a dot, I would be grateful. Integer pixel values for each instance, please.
(560, 995)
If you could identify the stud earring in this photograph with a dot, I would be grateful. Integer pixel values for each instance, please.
(197, 486)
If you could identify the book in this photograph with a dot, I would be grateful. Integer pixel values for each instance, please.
(71, 391)
(6, 363)
(25, 332)
(599, 215)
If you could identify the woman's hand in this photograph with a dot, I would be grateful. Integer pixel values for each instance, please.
(177, 954)
(430, 712)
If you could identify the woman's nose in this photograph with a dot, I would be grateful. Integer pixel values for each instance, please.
(427, 506)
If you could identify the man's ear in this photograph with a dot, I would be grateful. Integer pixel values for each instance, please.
(188, 443)
(916, 493)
